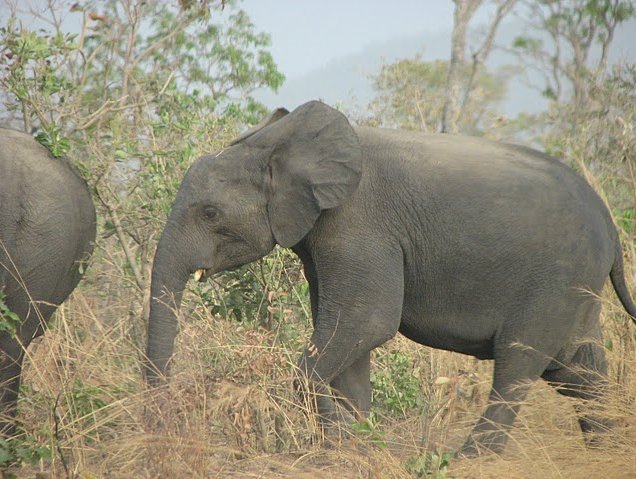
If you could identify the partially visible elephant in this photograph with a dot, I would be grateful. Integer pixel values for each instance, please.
(488, 249)
(47, 230)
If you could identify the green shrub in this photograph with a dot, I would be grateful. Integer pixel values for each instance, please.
(23, 449)
(432, 465)
(9, 321)
(396, 383)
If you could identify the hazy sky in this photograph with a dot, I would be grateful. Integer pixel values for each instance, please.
(307, 34)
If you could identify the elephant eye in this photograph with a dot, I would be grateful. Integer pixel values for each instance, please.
(210, 213)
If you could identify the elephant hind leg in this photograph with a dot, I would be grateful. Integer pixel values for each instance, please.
(33, 317)
(10, 371)
(515, 369)
(584, 377)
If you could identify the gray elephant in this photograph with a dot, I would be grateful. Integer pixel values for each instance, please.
(464, 244)
(47, 230)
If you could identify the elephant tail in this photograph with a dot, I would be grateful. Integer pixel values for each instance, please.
(617, 276)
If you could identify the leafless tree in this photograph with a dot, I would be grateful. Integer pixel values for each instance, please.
(457, 94)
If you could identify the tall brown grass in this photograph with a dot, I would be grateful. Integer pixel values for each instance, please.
(230, 409)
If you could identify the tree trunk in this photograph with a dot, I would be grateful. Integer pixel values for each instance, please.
(464, 10)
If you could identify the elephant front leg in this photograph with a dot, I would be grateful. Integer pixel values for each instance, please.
(345, 399)
(359, 308)
(353, 387)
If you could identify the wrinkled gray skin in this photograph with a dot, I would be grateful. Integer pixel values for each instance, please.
(487, 249)
(47, 227)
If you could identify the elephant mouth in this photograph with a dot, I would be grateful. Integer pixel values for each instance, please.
(201, 275)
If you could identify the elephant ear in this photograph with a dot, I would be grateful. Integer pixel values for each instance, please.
(268, 120)
(315, 164)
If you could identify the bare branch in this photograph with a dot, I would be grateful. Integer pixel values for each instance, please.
(479, 56)
(121, 236)
(133, 19)
(178, 28)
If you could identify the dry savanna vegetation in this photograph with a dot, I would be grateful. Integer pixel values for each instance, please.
(230, 409)
(145, 87)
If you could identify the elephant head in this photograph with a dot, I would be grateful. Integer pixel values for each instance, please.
(269, 186)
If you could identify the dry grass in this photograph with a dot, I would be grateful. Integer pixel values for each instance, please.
(231, 411)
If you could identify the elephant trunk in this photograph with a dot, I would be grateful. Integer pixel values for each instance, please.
(169, 278)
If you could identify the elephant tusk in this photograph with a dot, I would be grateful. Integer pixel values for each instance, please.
(198, 274)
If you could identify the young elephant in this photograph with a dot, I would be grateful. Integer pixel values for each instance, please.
(47, 229)
(463, 244)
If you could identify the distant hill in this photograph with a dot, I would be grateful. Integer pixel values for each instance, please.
(346, 80)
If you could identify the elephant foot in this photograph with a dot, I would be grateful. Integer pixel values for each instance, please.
(334, 412)
(595, 430)
(491, 442)
(338, 422)
(336, 426)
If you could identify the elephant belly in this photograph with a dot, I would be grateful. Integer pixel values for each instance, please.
(467, 336)
(461, 292)
(456, 308)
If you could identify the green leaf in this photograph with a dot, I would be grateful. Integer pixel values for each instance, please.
(9, 321)
(6, 457)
